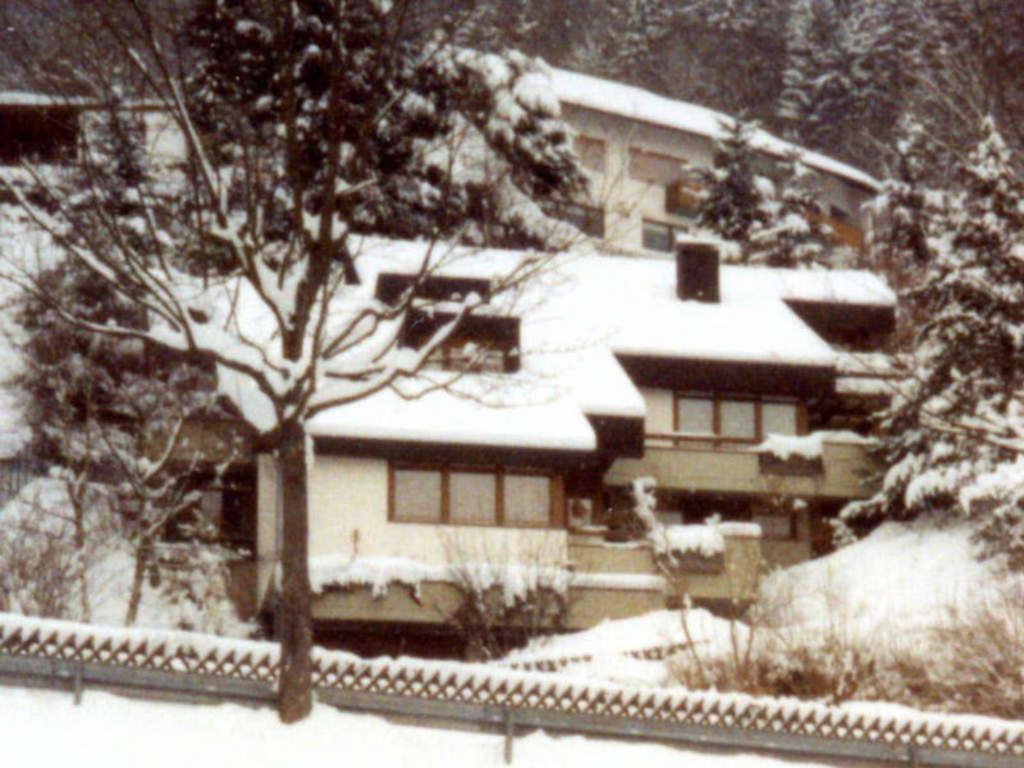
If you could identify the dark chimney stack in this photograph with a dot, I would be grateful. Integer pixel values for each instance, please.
(697, 271)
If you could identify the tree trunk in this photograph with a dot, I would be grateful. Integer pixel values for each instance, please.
(142, 555)
(294, 619)
(76, 497)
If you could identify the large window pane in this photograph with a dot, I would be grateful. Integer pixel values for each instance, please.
(775, 527)
(472, 498)
(417, 495)
(527, 500)
(695, 416)
(737, 419)
(658, 237)
(778, 418)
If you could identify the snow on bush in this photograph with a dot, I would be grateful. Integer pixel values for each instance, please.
(675, 541)
(45, 572)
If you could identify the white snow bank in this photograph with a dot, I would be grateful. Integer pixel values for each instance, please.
(107, 731)
(635, 103)
(705, 540)
(901, 578)
(656, 629)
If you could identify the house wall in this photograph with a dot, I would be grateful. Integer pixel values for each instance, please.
(348, 515)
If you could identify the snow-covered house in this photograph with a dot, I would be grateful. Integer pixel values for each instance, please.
(640, 150)
(722, 383)
(717, 381)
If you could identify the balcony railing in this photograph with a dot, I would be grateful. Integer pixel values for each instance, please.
(723, 465)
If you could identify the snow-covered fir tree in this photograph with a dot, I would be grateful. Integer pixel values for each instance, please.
(954, 417)
(906, 213)
(790, 233)
(635, 29)
(734, 194)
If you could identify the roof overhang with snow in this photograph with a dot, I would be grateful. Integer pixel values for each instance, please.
(638, 105)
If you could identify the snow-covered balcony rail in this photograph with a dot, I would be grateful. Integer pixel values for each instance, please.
(708, 562)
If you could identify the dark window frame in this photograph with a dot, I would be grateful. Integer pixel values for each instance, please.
(716, 436)
(556, 516)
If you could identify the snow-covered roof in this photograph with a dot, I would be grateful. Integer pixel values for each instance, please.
(577, 317)
(635, 103)
(583, 312)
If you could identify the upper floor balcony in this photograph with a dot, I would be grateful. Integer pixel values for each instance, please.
(821, 465)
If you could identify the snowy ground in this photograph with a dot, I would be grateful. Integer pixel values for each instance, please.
(890, 589)
(903, 578)
(109, 732)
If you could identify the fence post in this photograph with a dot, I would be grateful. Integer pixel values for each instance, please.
(510, 734)
(78, 684)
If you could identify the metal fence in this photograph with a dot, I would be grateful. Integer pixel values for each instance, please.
(194, 667)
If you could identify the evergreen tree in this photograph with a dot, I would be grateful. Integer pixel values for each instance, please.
(789, 232)
(947, 422)
(733, 201)
(905, 209)
(636, 29)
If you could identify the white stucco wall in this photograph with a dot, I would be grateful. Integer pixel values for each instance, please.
(659, 418)
(348, 515)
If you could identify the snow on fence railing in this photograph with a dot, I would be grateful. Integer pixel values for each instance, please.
(539, 697)
(652, 653)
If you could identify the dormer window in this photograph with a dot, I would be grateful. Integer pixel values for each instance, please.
(733, 419)
(463, 356)
(482, 341)
(43, 132)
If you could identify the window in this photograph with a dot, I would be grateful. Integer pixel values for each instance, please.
(416, 496)
(658, 236)
(778, 418)
(654, 167)
(471, 357)
(738, 419)
(588, 219)
(780, 527)
(471, 496)
(734, 419)
(695, 416)
(683, 198)
(527, 499)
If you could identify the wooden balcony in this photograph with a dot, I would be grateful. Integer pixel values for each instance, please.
(729, 467)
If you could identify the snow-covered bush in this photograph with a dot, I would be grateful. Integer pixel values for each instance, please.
(978, 657)
(672, 543)
(48, 569)
(507, 598)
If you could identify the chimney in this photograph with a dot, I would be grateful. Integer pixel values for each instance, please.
(697, 271)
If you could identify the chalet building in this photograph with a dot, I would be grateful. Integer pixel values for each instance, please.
(739, 394)
(720, 383)
(641, 151)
